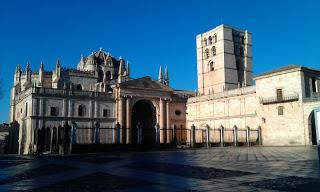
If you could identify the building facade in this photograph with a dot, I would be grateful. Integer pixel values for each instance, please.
(281, 103)
(100, 93)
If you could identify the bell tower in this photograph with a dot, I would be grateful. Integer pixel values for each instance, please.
(224, 59)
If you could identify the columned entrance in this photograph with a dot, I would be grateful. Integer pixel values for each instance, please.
(144, 116)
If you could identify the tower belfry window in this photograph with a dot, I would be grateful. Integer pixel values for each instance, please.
(211, 66)
(210, 40)
(206, 52)
(213, 51)
(205, 42)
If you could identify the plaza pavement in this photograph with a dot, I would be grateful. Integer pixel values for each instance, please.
(213, 169)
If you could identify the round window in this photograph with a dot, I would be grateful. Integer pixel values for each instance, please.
(177, 112)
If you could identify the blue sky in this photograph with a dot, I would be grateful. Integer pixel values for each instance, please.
(149, 33)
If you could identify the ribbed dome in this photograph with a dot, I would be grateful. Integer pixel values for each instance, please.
(97, 58)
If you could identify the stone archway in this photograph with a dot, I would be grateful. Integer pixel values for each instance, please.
(312, 129)
(144, 113)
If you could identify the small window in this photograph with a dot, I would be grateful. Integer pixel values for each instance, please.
(205, 42)
(177, 112)
(207, 53)
(53, 111)
(211, 66)
(213, 51)
(313, 84)
(215, 38)
(279, 94)
(79, 87)
(210, 40)
(105, 113)
(81, 110)
(280, 110)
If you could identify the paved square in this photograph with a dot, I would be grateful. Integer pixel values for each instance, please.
(214, 169)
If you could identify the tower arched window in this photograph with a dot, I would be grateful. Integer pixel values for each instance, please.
(213, 51)
(210, 40)
(207, 54)
(215, 38)
(81, 111)
(205, 41)
(211, 66)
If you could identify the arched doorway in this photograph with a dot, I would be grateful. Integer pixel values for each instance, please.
(144, 113)
(312, 129)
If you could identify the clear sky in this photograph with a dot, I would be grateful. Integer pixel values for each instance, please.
(149, 33)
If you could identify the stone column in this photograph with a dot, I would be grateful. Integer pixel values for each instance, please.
(70, 110)
(162, 124)
(96, 109)
(122, 120)
(41, 112)
(92, 107)
(64, 108)
(34, 107)
(169, 130)
(128, 120)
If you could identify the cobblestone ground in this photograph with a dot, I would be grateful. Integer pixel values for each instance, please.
(214, 169)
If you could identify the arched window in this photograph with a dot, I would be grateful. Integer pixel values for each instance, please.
(215, 38)
(108, 75)
(106, 113)
(79, 87)
(211, 66)
(213, 51)
(210, 40)
(207, 54)
(81, 110)
(205, 41)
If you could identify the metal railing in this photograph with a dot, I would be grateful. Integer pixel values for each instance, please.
(286, 98)
(60, 92)
(60, 140)
(207, 137)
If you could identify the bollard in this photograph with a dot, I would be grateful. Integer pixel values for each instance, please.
(157, 131)
(248, 136)
(117, 135)
(235, 135)
(222, 136)
(207, 136)
(259, 136)
(174, 135)
(193, 135)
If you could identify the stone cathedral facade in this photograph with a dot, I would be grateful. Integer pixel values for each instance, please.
(282, 103)
(100, 90)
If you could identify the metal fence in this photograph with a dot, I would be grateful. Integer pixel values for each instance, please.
(61, 139)
(224, 137)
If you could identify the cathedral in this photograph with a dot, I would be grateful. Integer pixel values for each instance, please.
(279, 107)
